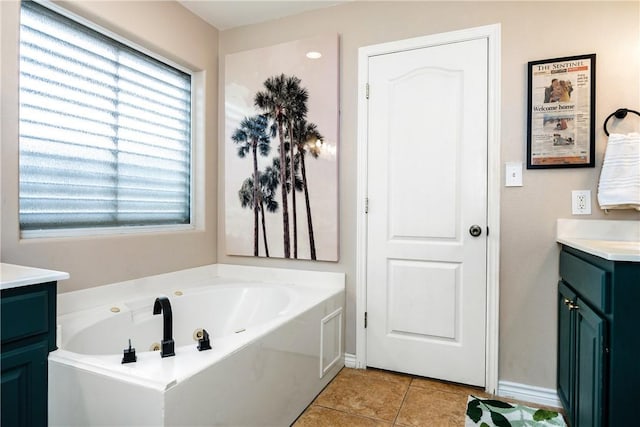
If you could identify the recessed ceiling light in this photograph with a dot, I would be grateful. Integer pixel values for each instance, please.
(314, 55)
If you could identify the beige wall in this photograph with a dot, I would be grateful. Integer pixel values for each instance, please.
(530, 31)
(175, 33)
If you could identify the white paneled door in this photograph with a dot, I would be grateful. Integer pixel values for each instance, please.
(427, 211)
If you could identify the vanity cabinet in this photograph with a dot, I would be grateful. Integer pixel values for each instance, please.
(28, 319)
(598, 346)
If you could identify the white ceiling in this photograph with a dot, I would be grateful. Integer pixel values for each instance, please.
(229, 14)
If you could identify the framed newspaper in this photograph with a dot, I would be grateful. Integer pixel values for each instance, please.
(561, 112)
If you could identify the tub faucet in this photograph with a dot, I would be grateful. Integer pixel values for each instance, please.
(163, 305)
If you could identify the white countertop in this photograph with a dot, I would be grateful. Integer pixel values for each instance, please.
(14, 276)
(612, 240)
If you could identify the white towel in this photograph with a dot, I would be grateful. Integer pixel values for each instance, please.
(619, 186)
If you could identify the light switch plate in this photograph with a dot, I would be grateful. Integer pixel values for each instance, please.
(513, 174)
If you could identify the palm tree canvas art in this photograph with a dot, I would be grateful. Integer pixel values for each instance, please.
(281, 142)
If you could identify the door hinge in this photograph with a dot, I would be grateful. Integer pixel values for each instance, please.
(365, 320)
(366, 205)
(367, 91)
(487, 230)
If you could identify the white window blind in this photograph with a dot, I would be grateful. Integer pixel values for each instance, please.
(105, 130)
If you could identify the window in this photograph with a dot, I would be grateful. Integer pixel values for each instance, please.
(105, 130)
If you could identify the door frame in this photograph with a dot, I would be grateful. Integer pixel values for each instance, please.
(492, 34)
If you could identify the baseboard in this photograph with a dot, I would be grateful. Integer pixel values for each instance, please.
(529, 393)
(349, 360)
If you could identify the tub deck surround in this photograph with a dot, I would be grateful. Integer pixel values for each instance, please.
(71, 302)
(276, 335)
(613, 240)
(85, 336)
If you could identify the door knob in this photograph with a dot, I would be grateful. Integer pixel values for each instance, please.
(475, 230)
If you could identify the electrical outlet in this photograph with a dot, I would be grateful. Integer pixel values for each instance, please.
(581, 202)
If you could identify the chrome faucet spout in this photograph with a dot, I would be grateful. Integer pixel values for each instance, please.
(162, 305)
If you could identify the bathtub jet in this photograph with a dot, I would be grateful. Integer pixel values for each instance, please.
(162, 305)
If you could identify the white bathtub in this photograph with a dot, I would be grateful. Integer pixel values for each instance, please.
(276, 339)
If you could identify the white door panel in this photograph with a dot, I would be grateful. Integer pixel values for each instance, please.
(423, 299)
(411, 152)
(427, 184)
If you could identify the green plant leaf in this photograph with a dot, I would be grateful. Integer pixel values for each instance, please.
(473, 410)
(498, 404)
(499, 420)
(484, 424)
(543, 415)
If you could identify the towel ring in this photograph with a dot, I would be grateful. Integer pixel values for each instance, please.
(620, 113)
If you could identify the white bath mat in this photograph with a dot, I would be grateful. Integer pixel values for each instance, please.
(496, 413)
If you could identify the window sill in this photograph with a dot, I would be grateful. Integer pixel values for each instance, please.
(105, 231)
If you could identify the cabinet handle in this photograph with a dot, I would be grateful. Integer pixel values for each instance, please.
(571, 304)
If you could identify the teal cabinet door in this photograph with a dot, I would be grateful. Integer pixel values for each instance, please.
(566, 348)
(24, 385)
(590, 352)
(27, 334)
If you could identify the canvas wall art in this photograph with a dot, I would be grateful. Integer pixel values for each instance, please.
(281, 147)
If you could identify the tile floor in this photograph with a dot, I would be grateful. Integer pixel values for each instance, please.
(363, 398)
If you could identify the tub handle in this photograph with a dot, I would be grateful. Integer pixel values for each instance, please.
(129, 355)
(204, 343)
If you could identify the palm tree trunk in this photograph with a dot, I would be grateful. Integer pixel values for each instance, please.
(264, 231)
(312, 243)
(283, 185)
(255, 200)
(293, 195)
